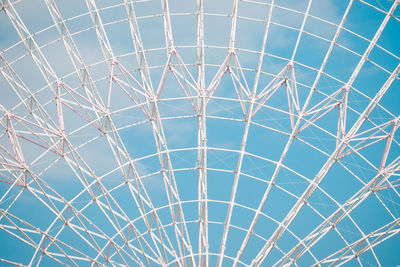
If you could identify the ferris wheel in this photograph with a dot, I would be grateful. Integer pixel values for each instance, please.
(199, 133)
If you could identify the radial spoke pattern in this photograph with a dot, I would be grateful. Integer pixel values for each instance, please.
(199, 133)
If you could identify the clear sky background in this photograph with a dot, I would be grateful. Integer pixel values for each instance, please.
(54, 212)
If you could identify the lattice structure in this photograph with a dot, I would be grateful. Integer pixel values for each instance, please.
(199, 133)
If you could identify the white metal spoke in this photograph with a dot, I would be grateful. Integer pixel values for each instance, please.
(329, 163)
(378, 236)
(199, 133)
(292, 136)
(202, 142)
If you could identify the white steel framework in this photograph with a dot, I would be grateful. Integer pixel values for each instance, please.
(199, 133)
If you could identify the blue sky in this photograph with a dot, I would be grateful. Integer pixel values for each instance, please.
(103, 150)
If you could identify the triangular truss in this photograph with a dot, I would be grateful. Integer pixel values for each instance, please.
(89, 222)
